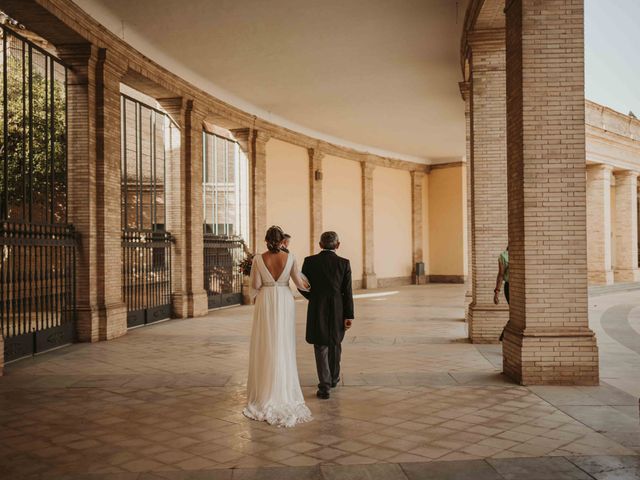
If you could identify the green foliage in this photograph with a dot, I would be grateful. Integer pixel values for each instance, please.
(34, 119)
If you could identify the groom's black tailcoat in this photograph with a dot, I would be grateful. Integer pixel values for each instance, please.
(330, 298)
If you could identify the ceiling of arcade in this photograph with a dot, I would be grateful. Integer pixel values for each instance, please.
(365, 74)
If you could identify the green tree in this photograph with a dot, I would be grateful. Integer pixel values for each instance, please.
(36, 136)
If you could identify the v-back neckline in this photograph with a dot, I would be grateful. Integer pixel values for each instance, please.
(286, 263)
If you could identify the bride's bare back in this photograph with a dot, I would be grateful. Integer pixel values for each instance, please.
(275, 263)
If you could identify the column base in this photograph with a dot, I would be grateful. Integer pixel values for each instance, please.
(601, 277)
(419, 279)
(185, 305)
(626, 275)
(468, 299)
(369, 281)
(246, 298)
(101, 322)
(548, 357)
(486, 322)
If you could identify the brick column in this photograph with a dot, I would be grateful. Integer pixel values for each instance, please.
(547, 340)
(465, 92)
(184, 210)
(94, 191)
(417, 229)
(369, 279)
(599, 224)
(315, 189)
(626, 267)
(488, 164)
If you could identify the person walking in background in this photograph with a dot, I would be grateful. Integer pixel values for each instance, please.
(503, 276)
(285, 243)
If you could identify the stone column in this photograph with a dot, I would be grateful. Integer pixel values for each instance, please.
(465, 92)
(626, 267)
(599, 224)
(184, 209)
(369, 279)
(488, 164)
(94, 192)
(417, 229)
(547, 340)
(315, 189)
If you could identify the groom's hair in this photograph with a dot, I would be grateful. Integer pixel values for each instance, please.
(329, 240)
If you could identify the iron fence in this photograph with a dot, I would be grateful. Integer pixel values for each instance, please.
(37, 294)
(146, 275)
(222, 278)
(37, 246)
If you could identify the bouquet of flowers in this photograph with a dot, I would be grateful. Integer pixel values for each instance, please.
(245, 265)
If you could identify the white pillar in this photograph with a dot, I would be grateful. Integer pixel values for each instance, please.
(599, 224)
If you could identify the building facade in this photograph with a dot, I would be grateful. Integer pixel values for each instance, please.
(166, 188)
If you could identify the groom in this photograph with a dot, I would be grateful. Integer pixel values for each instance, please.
(330, 309)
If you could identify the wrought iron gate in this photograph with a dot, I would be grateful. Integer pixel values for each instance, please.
(37, 246)
(222, 278)
(146, 276)
(146, 245)
(225, 185)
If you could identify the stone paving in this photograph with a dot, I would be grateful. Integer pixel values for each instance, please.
(165, 401)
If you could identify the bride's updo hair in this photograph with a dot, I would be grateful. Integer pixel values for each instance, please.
(274, 238)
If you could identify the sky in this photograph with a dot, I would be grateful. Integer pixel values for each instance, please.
(612, 53)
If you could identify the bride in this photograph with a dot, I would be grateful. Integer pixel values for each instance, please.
(273, 388)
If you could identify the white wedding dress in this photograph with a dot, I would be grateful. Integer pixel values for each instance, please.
(273, 387)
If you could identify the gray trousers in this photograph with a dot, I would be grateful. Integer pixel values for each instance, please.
(328, 365)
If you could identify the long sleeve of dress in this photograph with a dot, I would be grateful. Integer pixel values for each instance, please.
(255, 280)
(300, 281)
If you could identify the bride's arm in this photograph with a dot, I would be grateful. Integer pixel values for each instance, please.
(255, 280)
(301, 282)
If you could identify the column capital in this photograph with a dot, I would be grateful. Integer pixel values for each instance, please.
(262, 136)
(603, 167)
(242, 134)
(487, 39)
(77, 53)
(465, 90)
(196, 111)
(111, 61)
(315, 153)
(417, 175)
(367, 168)
(626, 174)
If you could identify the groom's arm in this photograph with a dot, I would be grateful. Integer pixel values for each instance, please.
(305, 272)
(347, 293)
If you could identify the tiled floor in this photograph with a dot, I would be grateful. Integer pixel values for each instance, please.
(165, 401)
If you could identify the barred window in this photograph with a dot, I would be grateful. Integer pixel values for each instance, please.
(225, 187)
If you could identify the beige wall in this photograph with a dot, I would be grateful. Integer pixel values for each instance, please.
(392, 222)
(342, 207)
(446, 221)
(288, 195)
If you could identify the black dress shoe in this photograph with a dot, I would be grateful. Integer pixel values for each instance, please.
(334, 384)
(322, 395)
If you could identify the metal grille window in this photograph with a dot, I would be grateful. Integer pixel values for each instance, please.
(37, 247)
(146, 144)
(225, 187)
(33, 173)
(226, 213)
(146, 134)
